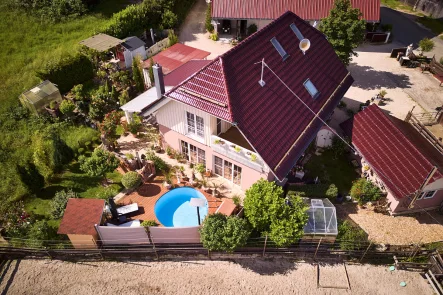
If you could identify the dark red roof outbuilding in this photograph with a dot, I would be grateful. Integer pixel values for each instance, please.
(306, 9)
(275, 122)
(392, 155)
(81, 215)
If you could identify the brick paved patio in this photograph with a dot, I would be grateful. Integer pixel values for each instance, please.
(147, 195)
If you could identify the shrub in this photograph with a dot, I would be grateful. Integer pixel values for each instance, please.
(159, 164)
(67, 71)
(252, 29)
(78, 92)
(309, 190)
(426, 45)
(148, 223)
(236, 200)
(332, 191)
(58, 203)
(99, 163)
(131, 180)
(350, 236)
(173, 39)
(53, 11)
(222, 233)
(67, 107)
(364, 191)
(214, 36)
(338, 147)
(107, 193)
(124, 97)
(208, 25)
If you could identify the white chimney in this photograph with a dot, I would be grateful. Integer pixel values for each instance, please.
(158, 80)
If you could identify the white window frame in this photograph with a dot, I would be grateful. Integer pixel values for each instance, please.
(424, 195)
(233, 169)
(198, 150)
(198, 128)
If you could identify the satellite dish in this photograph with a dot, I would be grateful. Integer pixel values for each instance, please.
(305, 44)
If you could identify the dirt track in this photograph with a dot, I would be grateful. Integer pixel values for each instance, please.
(201, 277)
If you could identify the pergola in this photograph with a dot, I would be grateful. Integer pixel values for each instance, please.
(101, 42)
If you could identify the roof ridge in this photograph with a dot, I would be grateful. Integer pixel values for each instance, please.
(228, 95)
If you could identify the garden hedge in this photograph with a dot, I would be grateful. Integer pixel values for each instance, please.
(310, 190)
(67, 71)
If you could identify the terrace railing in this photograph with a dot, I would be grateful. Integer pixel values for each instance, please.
(238, 154)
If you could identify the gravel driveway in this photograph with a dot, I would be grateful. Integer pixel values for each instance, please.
(246, 276)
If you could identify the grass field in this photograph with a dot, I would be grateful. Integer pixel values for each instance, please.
(329, 170)
(28, 43)
(72, 178)
(396, 4)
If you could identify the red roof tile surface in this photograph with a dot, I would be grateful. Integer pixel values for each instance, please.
(185, 71)
(275, 122)
(175, 56)
(306, 9)
(394, 158)
(80, 217)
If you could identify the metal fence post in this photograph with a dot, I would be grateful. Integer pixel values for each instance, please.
(318, 246)
(264, 246)
(364, 254)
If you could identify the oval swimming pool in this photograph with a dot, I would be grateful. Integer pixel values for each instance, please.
(173, 208)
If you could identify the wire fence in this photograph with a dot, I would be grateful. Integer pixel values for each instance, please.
(317, 249)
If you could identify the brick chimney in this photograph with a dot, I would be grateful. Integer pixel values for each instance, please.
(158, 80)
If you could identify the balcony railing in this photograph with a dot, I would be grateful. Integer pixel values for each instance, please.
(238, 153)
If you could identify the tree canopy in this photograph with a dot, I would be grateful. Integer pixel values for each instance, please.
(344, 28)
(222, 233)
(364, 191)
(268, 212)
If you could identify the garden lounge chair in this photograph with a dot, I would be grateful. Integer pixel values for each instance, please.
(124, 210)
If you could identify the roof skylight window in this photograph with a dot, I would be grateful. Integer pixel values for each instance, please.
(297, 32)
(310, 87)
(279, 48)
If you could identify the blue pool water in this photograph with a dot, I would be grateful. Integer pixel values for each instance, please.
(173, 208)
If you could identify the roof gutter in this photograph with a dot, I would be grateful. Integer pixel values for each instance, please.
(312, 121)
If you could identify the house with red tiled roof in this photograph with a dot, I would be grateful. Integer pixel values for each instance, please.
(79, 220)
(397, 158)
(252, 112)
(235, 16)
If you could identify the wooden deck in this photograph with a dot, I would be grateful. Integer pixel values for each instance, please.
(147, 195)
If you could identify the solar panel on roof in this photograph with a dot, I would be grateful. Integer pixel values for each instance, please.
(279, 48)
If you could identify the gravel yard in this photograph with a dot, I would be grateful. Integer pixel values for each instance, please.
(203, 277)
(400, 230)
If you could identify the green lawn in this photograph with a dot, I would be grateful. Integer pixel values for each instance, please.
(72, 178)
(28, 43)
(397, 4)
(329, 170)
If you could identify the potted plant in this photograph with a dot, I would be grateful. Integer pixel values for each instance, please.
(215, 187)
(217, 141)
(200, 168)
(208, 173)
(170, 152)
(382, 93)
(182, 170)
(168, 179)
(237, 149)
(253, 157)
(204, 184)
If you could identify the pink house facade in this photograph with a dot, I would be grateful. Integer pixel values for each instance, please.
(235, 165)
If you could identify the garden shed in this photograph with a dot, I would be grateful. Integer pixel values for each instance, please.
(40, 96)
(79, 221)
(322, 218)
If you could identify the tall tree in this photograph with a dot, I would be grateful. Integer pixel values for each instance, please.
(344, 28)
(268, 212)
(137, 74)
